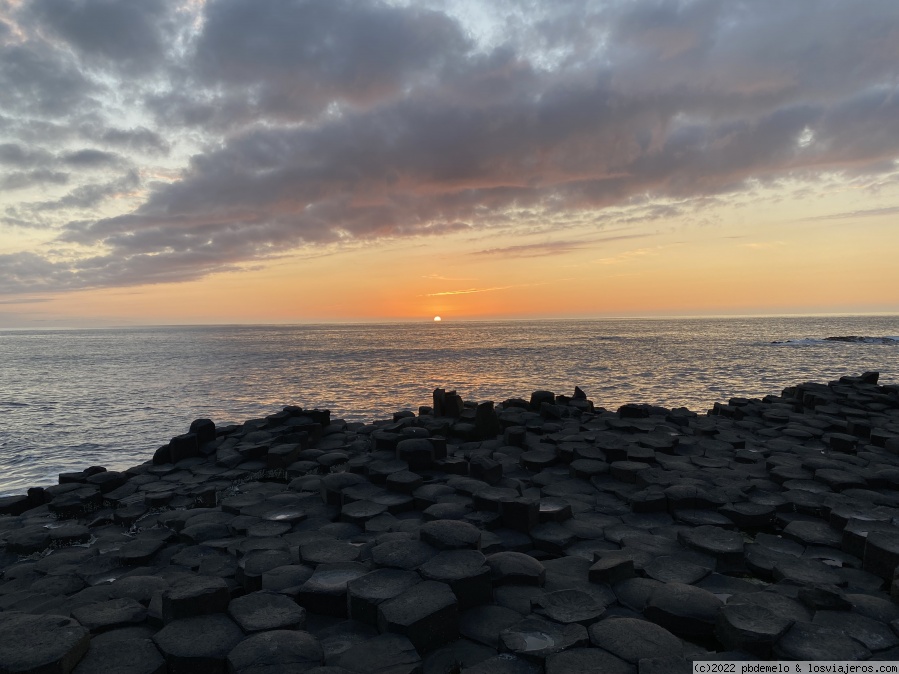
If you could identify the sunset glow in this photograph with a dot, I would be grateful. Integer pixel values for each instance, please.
(302, 162)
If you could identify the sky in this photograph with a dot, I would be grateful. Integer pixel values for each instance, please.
(238, 161)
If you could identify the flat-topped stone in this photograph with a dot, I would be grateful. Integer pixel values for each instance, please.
(569, 606)
(427, 614)
(326, 590)
(808, 641)
(41, 643)
(107, 615)
(633, 640)
(750, 627)
(135, 656)
(683, 609)
(276, 651)
(450, 535)
(465, 571)
(199, 644)
(383, 653)
(265, 610)
(515, 568)
(193, 596)
(365, 593)
(536, 638)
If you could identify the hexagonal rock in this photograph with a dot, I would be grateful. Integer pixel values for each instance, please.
(326, 590)
(483, 624)
(193, 596)
(450, 535)
(873, 634)
(276, 651)
(806, 572)
(328, 552)
(254, 564)
(569, 606)
(535, 638)
(427, 614)
(459, 655)
(725, 546)
(813, 533)
(632, 639)
(612, 566)
(465, 571)
(198, 645)
(402, 554)
(671, 569)
(807, 641)
(384, 653)
(40, 643)
(135, 656)
(779, 604)
(107, 615)
(750, 627)
(508, 568)
(366, 592)
(683, 609)
(587, 661)
(505, 663)
(881, 554)
(263, 610)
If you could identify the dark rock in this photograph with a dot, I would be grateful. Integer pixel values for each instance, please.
(807, 641)
(873, 634)
(387, 653)
(780, 605)
(683, 609)
(107, 615)
(135, 656)
(633, 640)
(450, 535)
(276, 651)
(365, 593)
(465, 571)
(881, 554)
(458, 654)
(198, 645)
(586, 661)
(265, 610)
(515, 568)
(569, 606)
(427, 614)
(725, 546)
(193, 596)
(40, 643)
(535, 638)
(750, 627)
(406, 555)
(326, 590)
(484, 623)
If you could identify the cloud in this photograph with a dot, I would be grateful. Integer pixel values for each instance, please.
(90, 158)
(116, 33)
(23, 179)
(861, 213)
(312, 124)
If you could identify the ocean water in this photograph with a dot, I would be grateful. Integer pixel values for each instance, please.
(74, 398)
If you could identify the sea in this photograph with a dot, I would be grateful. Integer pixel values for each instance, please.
(76, 398)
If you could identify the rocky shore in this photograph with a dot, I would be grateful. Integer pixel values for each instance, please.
(539, 535)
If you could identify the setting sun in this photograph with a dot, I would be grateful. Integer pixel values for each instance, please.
(437, 318)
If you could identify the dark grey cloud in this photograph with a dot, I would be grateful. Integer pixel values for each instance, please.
(90, 158)
(115, 33)
(291, 59)
(325, 122)
(18, 180)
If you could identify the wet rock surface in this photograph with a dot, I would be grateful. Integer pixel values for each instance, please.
(543, 534)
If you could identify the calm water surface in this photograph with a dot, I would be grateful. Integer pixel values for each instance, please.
(73, 398)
